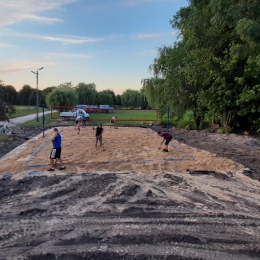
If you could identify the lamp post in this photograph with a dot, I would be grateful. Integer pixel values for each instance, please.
(37, 93)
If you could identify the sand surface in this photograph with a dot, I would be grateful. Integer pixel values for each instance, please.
(126, 149)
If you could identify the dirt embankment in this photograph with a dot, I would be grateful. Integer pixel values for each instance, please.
(130, 216)
(19, 136)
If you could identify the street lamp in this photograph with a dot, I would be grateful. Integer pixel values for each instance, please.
(37, 93)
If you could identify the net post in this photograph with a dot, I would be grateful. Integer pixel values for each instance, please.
(43, 120)
(168, 118)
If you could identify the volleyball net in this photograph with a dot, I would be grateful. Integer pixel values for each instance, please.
(104, 114)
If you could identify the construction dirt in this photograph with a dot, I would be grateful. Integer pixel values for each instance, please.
(129, 200)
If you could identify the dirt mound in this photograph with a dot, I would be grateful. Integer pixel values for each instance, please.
(130, 216)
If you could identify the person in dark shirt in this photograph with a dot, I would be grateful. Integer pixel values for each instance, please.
(167, 137)
(99, 132)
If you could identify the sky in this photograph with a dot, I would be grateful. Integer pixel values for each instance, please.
(107, 42)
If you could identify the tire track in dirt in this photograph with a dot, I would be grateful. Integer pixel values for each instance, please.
(130, 216)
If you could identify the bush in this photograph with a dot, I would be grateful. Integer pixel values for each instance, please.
(226, 130)
(163, 121)
(186, 120)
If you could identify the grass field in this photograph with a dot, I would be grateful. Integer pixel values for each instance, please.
(126, 115)
(103, 118)
(25, 111)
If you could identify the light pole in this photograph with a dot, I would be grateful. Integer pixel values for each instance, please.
(37, 93)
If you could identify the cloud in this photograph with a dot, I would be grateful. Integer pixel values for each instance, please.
(152, 35)
(148, 53)
(67, 55)
(139, 2)
(23, 66)
(4, 45)
(7, 71)
(14, 11)
(40, 18)
(68, 40)
(145, 36)
(64, 39)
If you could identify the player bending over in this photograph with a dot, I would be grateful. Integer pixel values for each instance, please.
(113, 120)
(56, 150)
(77, 126)
(78, 123)
(99, 132)
(167, 137)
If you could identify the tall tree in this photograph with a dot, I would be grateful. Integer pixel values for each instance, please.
(25, 93)
(104, 98)
(131, 98)
(222, 41)
(87, 93)
(111, 93)
(8, 93)
(214, 68)
(66, 85)
(62, 97)
(118, 100)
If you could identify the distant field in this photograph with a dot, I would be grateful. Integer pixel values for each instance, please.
(25, 111)
(126, 115)
(103, 118)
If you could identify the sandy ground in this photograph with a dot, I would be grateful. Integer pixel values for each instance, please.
(126, 149)
(129, 201)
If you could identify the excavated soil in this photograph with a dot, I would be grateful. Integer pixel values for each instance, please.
(131, 201)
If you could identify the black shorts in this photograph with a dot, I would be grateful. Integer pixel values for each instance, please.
(112, 121)
(167, 141)
(77, 122)
(55, 153)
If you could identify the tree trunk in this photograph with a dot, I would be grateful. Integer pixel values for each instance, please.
(225, 119)
(201, 123)
(197, 121)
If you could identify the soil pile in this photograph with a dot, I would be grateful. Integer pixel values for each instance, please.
(130, 216)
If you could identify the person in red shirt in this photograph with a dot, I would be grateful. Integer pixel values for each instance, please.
(167, 137)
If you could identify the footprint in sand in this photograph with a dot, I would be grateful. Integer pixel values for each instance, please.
(118, 153)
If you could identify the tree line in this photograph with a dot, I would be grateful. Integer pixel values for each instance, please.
(68, 95)
(214, 68)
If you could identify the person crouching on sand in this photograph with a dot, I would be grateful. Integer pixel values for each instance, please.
(167, 137)
(77, 126)
(113, 121)
(99, 132)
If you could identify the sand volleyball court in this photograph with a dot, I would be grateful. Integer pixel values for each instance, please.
(126, 149)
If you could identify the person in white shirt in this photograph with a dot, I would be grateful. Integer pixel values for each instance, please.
(113, 120)
(78, 123)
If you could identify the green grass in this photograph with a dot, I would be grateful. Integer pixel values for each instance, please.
(4, 138)
(102, 118)
(25, 111)
(125, 115)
